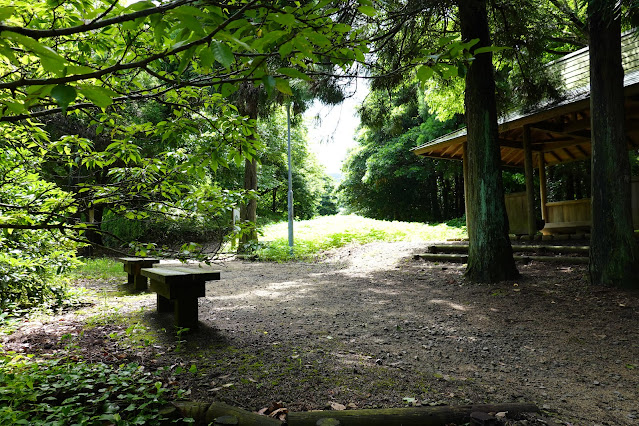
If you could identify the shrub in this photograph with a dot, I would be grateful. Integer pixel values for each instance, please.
(163, 231)
(30, 263)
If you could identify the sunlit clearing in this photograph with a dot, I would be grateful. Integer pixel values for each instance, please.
(328, 232)
(448, 303)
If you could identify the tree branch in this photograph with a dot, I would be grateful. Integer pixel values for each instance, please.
(94, 25)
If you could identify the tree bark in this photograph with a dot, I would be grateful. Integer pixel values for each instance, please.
(614, 259)
(490, 257)
(247, 102)
(417, 416)
(248, 210)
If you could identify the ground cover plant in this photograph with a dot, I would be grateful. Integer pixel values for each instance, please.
(315, 236)
(62, 392)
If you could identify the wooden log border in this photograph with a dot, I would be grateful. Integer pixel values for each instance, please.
(219, 413)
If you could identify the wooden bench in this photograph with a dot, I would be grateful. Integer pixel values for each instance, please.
(133, 265)
(178, 289)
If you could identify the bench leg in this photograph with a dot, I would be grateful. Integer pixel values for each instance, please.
(186, 313)
(140, 283)
(164, 304)
(131, 279)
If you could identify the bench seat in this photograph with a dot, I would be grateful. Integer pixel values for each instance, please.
(178, 289)
(133, 265)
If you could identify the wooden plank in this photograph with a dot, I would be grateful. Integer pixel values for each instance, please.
(517, 212)
(543, 193)
(139, 259)
(177, 290)
(568, 225)
(518, 248)
(133, 266)
(463, 258)
(554, 259)
(208, 274)
(455, 258)
(178, 274)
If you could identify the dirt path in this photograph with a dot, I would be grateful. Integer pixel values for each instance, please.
(372, 327)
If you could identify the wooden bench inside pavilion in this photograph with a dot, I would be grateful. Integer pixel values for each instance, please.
(555, 133)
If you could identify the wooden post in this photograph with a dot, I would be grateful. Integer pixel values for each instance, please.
(164, 304)
(465, 173)
(543, 194)
(528, 172)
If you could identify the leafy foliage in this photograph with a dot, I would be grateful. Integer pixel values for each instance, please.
(30, 258)
(57, 392)
(308, 175)
(383, 179)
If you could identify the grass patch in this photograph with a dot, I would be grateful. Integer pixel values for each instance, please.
(314, 236)
(101, 268)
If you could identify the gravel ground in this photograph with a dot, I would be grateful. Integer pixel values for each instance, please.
(369, 327)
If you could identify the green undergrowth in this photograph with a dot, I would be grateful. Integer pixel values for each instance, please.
(312, 237)
(64, 392)
(99, 268)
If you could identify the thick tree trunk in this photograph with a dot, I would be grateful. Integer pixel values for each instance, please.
(490, 256)
(614, 257)
(248, 104)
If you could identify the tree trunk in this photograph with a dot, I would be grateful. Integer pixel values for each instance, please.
(247, 102)
(613, 251)
(94, 234)
(274, 201)
(248, 211)
(490, 256)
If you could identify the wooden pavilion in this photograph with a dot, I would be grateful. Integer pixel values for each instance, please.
(554, 133)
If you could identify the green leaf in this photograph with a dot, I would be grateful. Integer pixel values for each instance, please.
(186, 59)
(283, 86)
(341, 28)
(6, 12)
(318, 39)
(52, 65)
(486, 49)
(424, 73)
(284, 19)
(63, 95)
(32, 45)
(293, 73)
(192, 23)
(222, 53)
(206, 57)
(269, 84)
(286, 49)
(271, 36)
(368, 10)
(228, 89)
(101, 96)
(74, 69)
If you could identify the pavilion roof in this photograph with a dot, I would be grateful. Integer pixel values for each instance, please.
(560, 130)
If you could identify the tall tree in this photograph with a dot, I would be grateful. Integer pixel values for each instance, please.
(614, 256)
(490, 256)
(247, 100)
